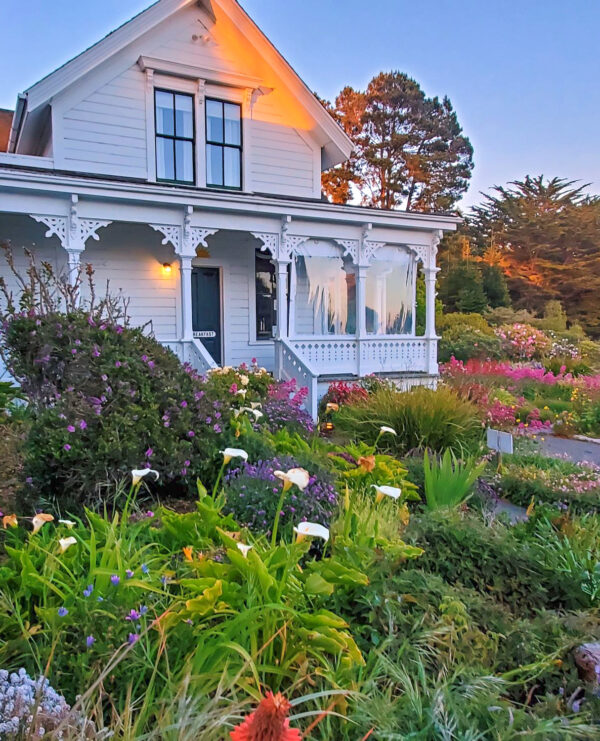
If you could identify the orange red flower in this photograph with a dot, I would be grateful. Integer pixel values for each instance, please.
(269, 722)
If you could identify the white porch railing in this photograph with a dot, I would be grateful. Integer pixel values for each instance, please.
(192, 352)
(289, 365)
(360, 357)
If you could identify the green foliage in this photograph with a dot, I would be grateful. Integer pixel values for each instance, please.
(491, 560)
(465, 343)
(453, 320)
(547, 231)
(409, 150)
(449, 481)
(495, 286)
(554, 317)
(461, 289)
(422, 418)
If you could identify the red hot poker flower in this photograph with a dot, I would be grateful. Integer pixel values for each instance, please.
(269, 722)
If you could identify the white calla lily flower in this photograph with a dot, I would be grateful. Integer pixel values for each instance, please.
(256, 405)
(387, 430)
(66, 543)
(243, 549)
(137, 474)
(257, 414)
(68, 523)
(40, 520)
(311, 530)
(294, 477)
(386, 491)
(230, 453)
(241, 392)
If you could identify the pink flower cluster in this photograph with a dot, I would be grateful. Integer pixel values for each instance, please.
(523, 341)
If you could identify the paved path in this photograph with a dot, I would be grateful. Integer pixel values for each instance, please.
(575, 450)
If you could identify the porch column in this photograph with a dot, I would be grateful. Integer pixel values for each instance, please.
(185, 277)
(361, 313)
(73, 261)
(430, 294)
(282, 298)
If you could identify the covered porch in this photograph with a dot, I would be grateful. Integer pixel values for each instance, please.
(313, 291)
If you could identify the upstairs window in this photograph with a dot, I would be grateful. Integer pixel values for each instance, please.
(174, 115)
(223, 144)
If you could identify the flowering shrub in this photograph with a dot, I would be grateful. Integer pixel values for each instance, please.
(106, 399)
(501, 415)
(342, 392)
(252, 492)
(522, 341)
(247, 382)
(283, 408)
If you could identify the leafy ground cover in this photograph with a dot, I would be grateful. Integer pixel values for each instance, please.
(262, 580)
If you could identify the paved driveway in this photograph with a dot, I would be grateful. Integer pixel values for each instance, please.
(575, 450)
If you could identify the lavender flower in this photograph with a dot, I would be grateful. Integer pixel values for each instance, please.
(89, 641)
(129, 574)
(62, 612)
(114, 579)
(145, 569)
(87, 592)
(133, 638)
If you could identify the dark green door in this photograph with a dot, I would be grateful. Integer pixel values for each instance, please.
(206, 309)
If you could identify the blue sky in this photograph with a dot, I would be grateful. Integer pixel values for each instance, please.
(523, 75)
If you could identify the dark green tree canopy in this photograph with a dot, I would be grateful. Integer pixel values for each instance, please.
(410, 151)
(547, 233)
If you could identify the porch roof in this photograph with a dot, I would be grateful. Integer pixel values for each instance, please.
(36, 176)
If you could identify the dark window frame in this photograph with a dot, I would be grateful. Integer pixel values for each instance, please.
(174, 138)
(224, 145)
(264, 336)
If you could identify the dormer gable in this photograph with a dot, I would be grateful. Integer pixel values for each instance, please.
(107, 112)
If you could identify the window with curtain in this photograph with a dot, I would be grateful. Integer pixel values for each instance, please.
(325, 290)
(174, 125)
(390, 292)
(266, 292)
(223, 144)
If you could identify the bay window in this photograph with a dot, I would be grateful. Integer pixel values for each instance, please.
(390, 290)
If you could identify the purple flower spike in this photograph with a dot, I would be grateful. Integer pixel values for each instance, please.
(114, 579)
(133, 616)
(129, 573)
(62, 612)
(70, 428)
(145, 569)
(89, 641)
(87, 592)
(82, 424)
(149, 453)
(133, 638)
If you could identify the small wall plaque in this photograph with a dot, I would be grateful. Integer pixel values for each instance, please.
(205, 334)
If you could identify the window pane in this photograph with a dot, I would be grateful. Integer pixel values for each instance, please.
(165, 163)
(164, 113)
(184, 158)
(214, 121)
(266, 315)
(214, 165)
(232, 168)
(184, 116)
(233, 128)
(325, 293)
(390, 292)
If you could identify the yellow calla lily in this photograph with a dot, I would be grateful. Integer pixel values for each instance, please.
(10, 521)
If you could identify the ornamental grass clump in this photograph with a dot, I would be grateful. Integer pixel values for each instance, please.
(253, 490)
(423, 418)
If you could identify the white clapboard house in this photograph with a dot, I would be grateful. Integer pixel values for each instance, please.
(181, 156)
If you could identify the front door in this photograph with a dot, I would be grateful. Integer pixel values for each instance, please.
(206, 309)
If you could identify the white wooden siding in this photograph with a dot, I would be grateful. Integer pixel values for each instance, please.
(105, 131)
(130, 258)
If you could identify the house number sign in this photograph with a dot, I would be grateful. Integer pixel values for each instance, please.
(205, 334)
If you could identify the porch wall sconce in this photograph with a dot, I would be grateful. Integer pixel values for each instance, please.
(166, 268)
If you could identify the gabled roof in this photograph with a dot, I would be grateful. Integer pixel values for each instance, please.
(6, 118)
(337, 147)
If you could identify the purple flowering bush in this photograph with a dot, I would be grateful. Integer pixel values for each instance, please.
(104, 399)
(252, 492)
